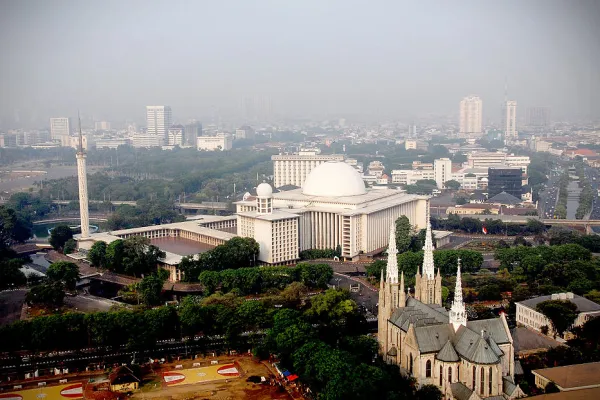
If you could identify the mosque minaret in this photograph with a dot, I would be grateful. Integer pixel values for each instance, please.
(83, 192)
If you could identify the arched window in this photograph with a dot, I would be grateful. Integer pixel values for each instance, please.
(482, 381)
(441, 374)
(449, 374)
(490, 382)
(458, 373)
(474, 373)
(428, 369)
(410, 364)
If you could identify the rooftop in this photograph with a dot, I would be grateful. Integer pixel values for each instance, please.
(584, 394)
(570, 377)
(583, 304)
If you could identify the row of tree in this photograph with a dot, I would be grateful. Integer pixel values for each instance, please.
(133, 256)
(551, 269)
(255, 280)
(237, 252)
(314, 254)
(492, 226)
(13, 229)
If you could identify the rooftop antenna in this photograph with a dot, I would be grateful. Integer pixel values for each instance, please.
(505, 89)
(80, 146)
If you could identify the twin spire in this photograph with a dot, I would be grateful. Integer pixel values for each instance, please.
(392, 263)
(428, 265)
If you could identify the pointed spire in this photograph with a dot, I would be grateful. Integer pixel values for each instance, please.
(458, 313)
(402, 300)
(428, 266)
(392, 262)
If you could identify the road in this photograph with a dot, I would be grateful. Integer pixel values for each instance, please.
(366, 297)
(11, 303)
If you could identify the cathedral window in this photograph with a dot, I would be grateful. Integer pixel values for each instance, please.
(441, 374)
(482, 381)
(490, 382)
(474, 373)
(428, 369)
(458, 373)
(449, 374)
(410, 364)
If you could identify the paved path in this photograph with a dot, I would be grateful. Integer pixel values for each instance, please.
(11, 303)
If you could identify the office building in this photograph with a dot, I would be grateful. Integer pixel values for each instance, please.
(147, 140)
(463, 359)
(333, 208)
(245, 132)
(502, 179)
(442, 169)
(411, 176)
(192, 131)
(471, 116)
(102, 126)
(528, 315)
(175, 135)
(158, 121)
(293, 169)
(538, 117)
(509, 121)
(59, 128)
(221, 141)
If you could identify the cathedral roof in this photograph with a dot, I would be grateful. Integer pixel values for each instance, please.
(473, 347)
(492, 327)
(418, 314)
(460, 391)
(447, 353)
(432, 338)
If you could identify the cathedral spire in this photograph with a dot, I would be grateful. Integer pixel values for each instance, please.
(428, 266)
(392, 262)
(458, 313)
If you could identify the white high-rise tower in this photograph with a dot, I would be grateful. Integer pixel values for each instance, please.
(458, 313)
(509, 120)
(158, 121)
(83, 193)
(471, 116)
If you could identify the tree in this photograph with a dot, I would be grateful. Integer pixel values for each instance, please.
(535, 226)
(13, 227)
(150, 288)
(70, 246)
(561, 313)
(48, 294)
(452, 184)
(97, 254)
(403, 234)
(10, 273)
(374, 269)
(115, 252)
(59, 236)
(429, 392)
(65, 272)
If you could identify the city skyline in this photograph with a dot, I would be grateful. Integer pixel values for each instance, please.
(338, 67)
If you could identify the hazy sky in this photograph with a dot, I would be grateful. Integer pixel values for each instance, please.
(311, 57)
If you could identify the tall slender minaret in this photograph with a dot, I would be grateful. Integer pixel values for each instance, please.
(458, 313)
(83, 193)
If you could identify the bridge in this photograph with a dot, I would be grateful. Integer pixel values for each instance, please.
(207, 205)
(584, 222)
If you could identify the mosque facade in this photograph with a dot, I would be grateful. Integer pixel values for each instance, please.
(333, 208)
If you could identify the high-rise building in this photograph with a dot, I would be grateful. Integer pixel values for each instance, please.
(60, 127)
(471, 116)
(175, 135)
(158, 121)
(442, 169)
(245, 132)
(102, 126)
(192, 131)
(538, 116)
(509, 120)
(502, 179)
(293, 169)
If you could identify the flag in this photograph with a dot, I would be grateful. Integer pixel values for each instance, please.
(484, 230)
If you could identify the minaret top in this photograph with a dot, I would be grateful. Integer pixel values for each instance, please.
(392, 262)
(80, 145)
(428, 265)
(458, 313)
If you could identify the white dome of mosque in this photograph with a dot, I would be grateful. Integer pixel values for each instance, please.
(264, 190)
(334, 179)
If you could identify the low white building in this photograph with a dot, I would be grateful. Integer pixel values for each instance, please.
(221, 142)
(147, 140)
(527, 315)
(410, 176)
(111, 143)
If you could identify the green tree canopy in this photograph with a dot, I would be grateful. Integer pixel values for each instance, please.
(561, 313)
(59, 236)
(65, 272)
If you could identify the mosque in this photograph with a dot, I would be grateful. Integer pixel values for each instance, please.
(333, 208)
(471, 360)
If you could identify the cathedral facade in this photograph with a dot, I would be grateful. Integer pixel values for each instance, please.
(466, 360)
